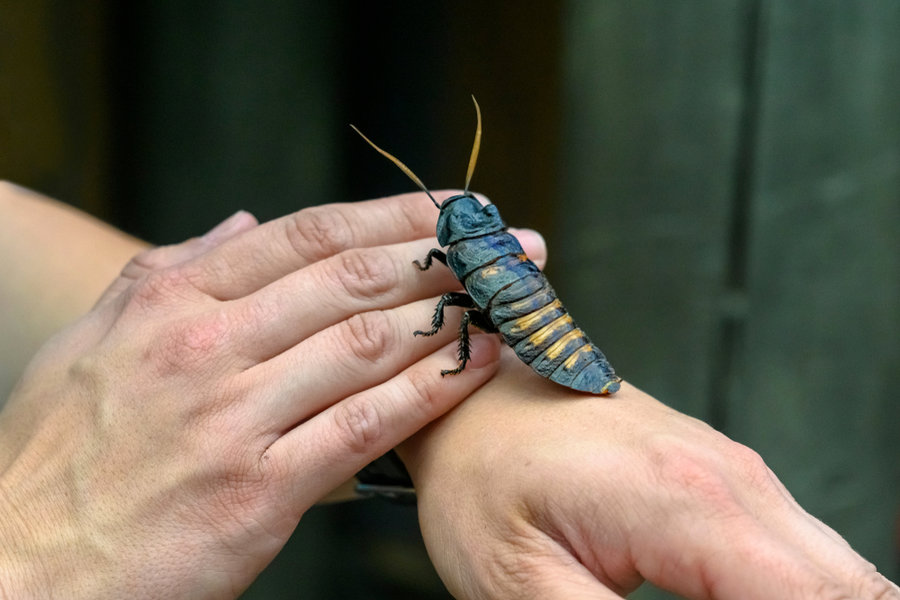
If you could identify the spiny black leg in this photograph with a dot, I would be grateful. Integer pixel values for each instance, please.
(432, 254)
(448, 299)
(471, 317)
(480, 320)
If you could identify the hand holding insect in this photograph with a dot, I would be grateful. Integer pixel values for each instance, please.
(169, 441)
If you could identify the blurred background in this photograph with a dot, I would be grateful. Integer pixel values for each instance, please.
(718, 181)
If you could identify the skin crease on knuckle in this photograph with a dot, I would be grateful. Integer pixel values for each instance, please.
(360, 420)
(828, 588)
(368, 336)
(154, 258)
(358, 424)
(320, 231)
(144, 261)
(408, 217)
(163, 289)
(424, 390)
(872, 584)
(415, 216)
(366, 274)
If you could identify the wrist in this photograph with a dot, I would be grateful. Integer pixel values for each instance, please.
(18, 569)
(42, 554)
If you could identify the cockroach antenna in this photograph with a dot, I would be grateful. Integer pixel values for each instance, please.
(476, 146)
(402, 167)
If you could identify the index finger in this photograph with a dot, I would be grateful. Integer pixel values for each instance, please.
(270, 251)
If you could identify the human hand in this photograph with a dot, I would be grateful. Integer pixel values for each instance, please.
(167, 443)
(530, 490)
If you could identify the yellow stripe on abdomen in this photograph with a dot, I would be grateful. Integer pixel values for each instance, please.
(559, 345)
(573, 358)
(544, 333)
(530, 320)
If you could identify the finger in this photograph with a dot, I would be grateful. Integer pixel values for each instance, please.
(757, 565)
(539, 568)
(353, 355)
(298, 240)
(826, 549)
(329, 291)
(320, 454)
(788, 523)
(533, 244)
(167, 256)
(566, 580)
(769, 567)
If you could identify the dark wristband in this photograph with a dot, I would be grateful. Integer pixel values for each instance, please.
(386, 477)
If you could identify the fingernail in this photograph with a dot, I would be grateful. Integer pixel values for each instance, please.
(228, 227)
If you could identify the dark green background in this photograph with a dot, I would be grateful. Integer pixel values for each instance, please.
(719, 183)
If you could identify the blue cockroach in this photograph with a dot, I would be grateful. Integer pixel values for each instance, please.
(507, 293)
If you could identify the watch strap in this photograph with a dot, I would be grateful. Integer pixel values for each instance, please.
(386, 477)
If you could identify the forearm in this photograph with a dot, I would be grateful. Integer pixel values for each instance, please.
(56, 262)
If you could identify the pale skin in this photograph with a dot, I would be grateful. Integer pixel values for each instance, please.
(168, 441)
(559, 495)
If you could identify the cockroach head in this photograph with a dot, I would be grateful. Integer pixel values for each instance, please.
(463, 216)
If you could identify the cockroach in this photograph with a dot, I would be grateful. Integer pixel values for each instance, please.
(506, 292)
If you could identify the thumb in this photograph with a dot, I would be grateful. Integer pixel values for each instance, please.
(550, 575)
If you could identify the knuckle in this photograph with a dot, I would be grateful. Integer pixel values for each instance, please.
(410, 216)
(259, 310)
(319, 231)
(872, 584)
(829, 589)
(369, 336)
(161, 257)
(366, 273)
(155, 288)
(752, 467)
(425, 388)
(150, 259)
(161, 288)
(189, 345)
(359, 425)
(693, 478)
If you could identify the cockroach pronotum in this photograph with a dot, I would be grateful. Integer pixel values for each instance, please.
(506, 292)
